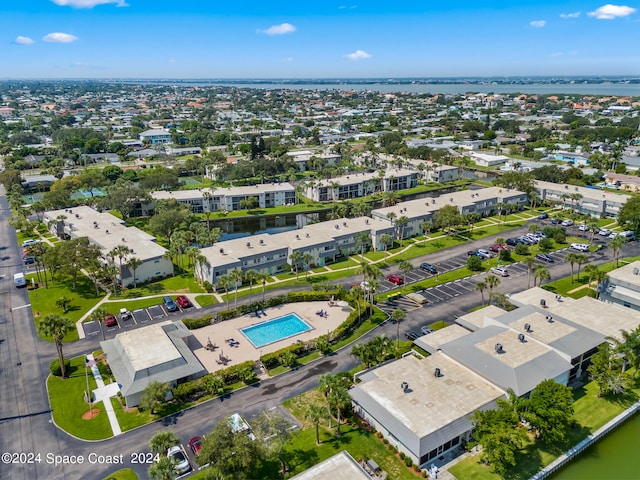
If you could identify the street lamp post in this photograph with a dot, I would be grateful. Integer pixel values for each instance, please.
(88, 363)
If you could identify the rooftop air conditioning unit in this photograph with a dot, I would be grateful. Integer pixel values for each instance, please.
(499, 348)
(521, 337)
(307, 234)
(123, 239)
(527, 327)
(248, 244)
(636, 271)
(549, 319)
(297, 237)
(543, 302)
(222, 250)
(404, 386)
(344, 224)
(261, 242)
(436, 373)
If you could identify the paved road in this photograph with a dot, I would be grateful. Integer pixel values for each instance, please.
(25, 424)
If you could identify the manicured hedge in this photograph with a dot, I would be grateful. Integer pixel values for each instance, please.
(194, 323)
(197, 388)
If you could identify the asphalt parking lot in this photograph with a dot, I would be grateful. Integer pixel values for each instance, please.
(141, 316)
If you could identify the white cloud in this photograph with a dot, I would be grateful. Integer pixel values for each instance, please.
(345, 7)
(89, 3)
(538, 23)
(610, 12)
(570, 15)
(20, 40)
(59, 37)
(287, 59)
(281, 29)
(358, 55)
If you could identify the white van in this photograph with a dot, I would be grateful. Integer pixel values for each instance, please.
(629, 235)
(19, 280)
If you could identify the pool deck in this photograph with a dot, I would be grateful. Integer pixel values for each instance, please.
(219, 332)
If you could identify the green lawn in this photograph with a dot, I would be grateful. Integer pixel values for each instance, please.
(130, 419)
(66, 397)
(83, 298)
(206, 300)
(124, 474)
(185, 283)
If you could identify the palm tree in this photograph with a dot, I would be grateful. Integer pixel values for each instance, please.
(600, 277)
(263, 278)
(98, 316)
(481, 286)
(251, 276)
(572, 258)
(294, 258)
(592, 271)
(198, 264)
(111, 271)
(120, 251)
(593, 229)
(405, 267)
(426, 227)
(616, 245)
(398, 315)
(540, 273)
(581, 259)
(402, 223)
(492, 282)
(372, 288)
(363, 239)
(630, 346)
(315, 414)
(225, 282)
(368, 271)
(134, 263)
(386, 240)
(163, 441)
(236, 278)
(529, 262)
(57, 327)
(307, 258)
(357, 292)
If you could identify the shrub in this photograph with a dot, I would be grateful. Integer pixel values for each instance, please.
(560, 236)
(385, 441)
(408, 462)
(207, 286)
(522, 249)
(424, 474)
(54, 367)
(402, 456)
(474, 263)
(505, 255)
(194, 323)
(187, 391)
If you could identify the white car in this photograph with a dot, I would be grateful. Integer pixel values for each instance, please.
(583, 228)
(605, 232)
(613, 235)
(581, 247)
(181, 461)
(502, 272)
(567, 223)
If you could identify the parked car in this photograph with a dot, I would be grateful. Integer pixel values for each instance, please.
(513, 241)
(471, 253)
(484, 254)
(496, 247)
(629, 235)
(501, 272)
(584, 227)
(411, 335)
(555, 221)
(613, 235)
(527, 240)
(545, 258)
(397, 279)
(181, 462)
(195, 444)
(110, 320)
(183, 301)
(169, 304)
(125, 314)
(29, 260)
(605, 232)
(427, 267)
(543, 215)
(581, 247)
(426, 330)
(566, 223)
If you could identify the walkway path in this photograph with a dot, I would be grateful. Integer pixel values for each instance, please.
(104, 393)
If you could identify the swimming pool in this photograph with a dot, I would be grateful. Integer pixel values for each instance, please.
(275, 330)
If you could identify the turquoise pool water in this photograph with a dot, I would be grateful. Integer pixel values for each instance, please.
(275, 330)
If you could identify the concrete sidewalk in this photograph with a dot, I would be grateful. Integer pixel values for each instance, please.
(104, 393)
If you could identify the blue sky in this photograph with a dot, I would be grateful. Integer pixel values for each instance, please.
(316, 38)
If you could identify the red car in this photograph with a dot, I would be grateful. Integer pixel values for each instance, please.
(397, 279)
(496, 247)
(183, 301)
(110, 320)
(195, 444)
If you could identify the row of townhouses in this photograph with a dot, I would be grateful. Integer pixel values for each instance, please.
(108, 232)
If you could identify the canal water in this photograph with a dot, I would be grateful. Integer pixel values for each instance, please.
(615, 457)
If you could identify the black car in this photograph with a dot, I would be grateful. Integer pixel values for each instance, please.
(545, 258)
(555, 221)
(427, 267)
(29, 260)
(513, 241)
(543, 215)
(471, 253)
